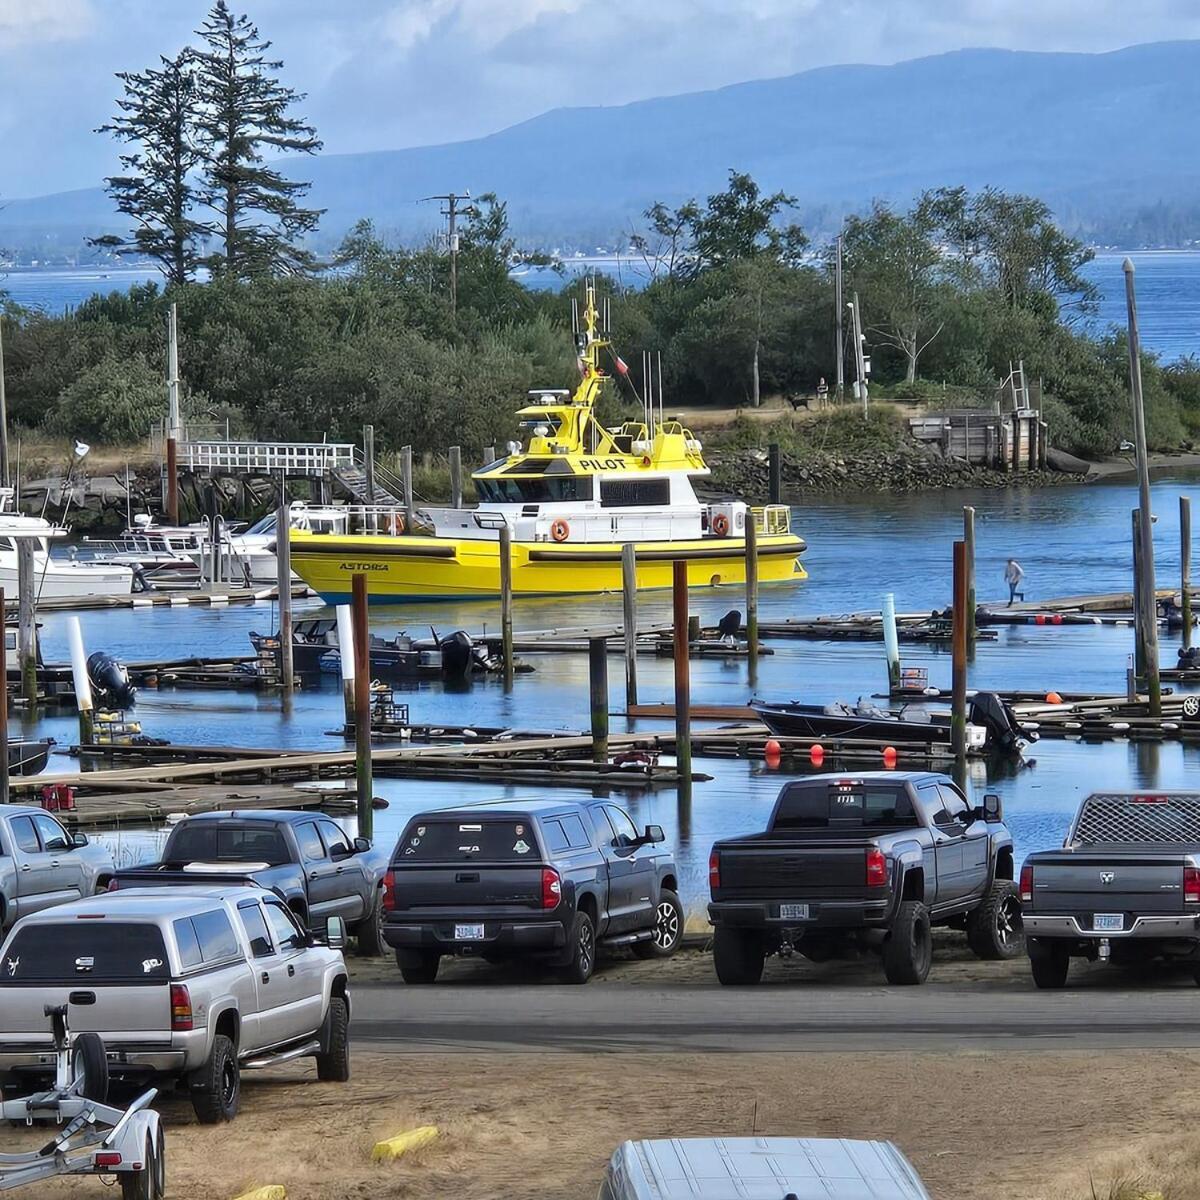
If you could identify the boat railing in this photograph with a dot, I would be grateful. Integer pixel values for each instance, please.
(772, 518)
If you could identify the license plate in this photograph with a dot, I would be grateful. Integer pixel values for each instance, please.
(1109, 921)
(793, 912)
(468, 933)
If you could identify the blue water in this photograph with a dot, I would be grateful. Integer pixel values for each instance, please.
(1069, 540)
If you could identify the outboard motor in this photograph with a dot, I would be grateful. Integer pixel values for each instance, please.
(1004, 734)
(110, 680)
(458, 655)
(1190, 657)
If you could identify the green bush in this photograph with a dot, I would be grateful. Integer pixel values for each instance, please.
(116, 400)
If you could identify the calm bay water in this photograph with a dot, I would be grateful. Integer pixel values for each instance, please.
(1070, 540)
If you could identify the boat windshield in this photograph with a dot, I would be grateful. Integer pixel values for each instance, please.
(264, 525)
(534, 491)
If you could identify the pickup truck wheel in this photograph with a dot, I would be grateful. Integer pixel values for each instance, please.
(582, 962)
(370, 930)
(738, 956)
(994, 929)
(217, 1086)
(333, 1064)
(89, 1062)
(668, 928)
(908, 951)
(1049, 962)
(418, 966)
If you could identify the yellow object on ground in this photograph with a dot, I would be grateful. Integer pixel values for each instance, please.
(273, 1191)
(403, 1143)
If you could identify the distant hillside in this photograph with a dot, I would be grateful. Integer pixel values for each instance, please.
(1107, 139)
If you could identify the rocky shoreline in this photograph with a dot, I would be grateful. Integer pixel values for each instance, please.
(745, 473)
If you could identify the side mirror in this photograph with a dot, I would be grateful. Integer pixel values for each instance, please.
(79, 840)
(335, 933)
(992, 809)
(653, 835)
(361, 845)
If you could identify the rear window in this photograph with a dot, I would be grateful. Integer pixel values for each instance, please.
(204, 841)
(80, 951)
(465, 840)
(853, 806)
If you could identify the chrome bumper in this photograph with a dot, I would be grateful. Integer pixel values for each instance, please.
(1143, 927)
(122, 1059)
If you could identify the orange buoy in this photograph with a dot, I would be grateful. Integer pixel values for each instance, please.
(1053, 698)
(720, 525)
(1040, 619)
(560, 530)
(816, 754)
(889, 756)
(772, 752)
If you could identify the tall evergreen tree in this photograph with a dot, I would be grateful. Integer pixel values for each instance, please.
(157, 115)
(245, 109)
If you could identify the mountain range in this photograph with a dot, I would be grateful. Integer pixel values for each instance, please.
(1107, 139)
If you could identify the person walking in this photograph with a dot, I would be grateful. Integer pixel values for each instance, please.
(1013, 574)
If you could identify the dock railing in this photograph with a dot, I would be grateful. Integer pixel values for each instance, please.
(267, 458)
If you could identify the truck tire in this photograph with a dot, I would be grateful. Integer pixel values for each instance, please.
(89, 1062)
(217, 1086)
(418, 966)
(333, 1063)
(994, 928)
(1049, 962)
(738, 956)
(582, 950)
(908, 951)
(668, 928)
(370, 930)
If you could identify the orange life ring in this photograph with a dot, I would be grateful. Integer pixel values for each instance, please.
(560, 530)
(720, 524)
(396, 524)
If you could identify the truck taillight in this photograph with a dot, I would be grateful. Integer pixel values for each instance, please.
(1026, 883)
(181, 1008)
(714, 870)
(1191, 885)
(876, 868)
(551, 887)
(389, 891)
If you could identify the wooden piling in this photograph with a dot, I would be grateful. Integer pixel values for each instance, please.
(683, 693)
(27, 623)
(362, 709)
(4, 792)
(629, 611)
(958, 711)
(283, 562)
(506, 601)
(693, 628)
(406, 474)
(172, 417)
(1185, 567)
(369, 460)
(774, 473)
(969, 541)
(598, 693)
(456, 491)
(1139, 632)
(752, 593)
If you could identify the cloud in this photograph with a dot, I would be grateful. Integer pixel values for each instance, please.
(29, 22)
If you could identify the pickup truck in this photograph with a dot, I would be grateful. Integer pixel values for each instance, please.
(547, 879)
(874, 859)
(194, 985)
(301, 856)
(1125, 886)
(42, 865)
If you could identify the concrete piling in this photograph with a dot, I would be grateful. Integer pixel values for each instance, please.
(891, 641)
(83, 685)
(345, 634)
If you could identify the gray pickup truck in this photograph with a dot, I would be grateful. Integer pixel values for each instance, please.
(42, 865)
(303, 857)
(196, 984)
(1125, 886)
(870, 860)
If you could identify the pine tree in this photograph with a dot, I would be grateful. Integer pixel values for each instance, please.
(158, 115)
(244, 109)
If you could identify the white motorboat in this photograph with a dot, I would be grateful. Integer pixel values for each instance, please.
(250, 554)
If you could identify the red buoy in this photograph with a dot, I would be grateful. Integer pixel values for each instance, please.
(816, 754)
(1053, 698)
(772, 749)
(889, 756)
(1040, 619)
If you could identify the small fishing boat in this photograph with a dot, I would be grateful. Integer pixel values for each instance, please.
(29, 757)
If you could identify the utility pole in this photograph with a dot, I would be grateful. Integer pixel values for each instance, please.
(841, 349)
(1148, 599)
(4, 478)
(860, 365)
(451, 202)
(172, 418)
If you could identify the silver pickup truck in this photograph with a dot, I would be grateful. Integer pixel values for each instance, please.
(1125, 886)
(192, 983)
(42, 865)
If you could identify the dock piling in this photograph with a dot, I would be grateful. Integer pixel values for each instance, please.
(406, 475)
(369, 460)
(629, 613)
(774, 473)
(283, 559)
(598, 693)
(506, 601)
(345, 634)
(456, 491)
(683, 692)
(172, 417)
(969, 539)
(4, 793)
(752, 594)
(1185, 568)
(83, 685)
(958, 711)
(1139, 628)
(362, 710)
(891, 642)
(215, 540)
(27, 624)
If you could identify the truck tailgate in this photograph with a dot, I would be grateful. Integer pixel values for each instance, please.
(1095, 881)
(141, 1014)
(457, 887)
(767, 869)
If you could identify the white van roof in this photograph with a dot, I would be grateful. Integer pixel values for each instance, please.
(763, 1168)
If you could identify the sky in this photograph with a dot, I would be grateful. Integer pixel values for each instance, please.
(386, 74)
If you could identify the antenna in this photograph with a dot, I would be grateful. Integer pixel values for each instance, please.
(574, 316)
(662, 415)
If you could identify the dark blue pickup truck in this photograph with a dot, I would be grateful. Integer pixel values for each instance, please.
(540, 878)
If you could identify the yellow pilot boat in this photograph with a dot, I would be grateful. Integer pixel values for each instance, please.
(571, 501)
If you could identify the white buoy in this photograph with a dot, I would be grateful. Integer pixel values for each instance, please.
(345, 632)
(891, 641)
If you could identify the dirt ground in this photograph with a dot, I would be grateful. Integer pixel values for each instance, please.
(542, 1125)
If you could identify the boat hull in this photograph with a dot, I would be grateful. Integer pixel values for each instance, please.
(805, 721)
(409, 569)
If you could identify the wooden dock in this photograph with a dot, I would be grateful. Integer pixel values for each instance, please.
(209, 597)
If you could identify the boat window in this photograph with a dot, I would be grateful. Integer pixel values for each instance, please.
(6, 544)
(265, 525)
(625, 493)
(534, 491)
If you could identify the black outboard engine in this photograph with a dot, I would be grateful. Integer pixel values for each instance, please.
(110, 681)
(458, 655)
(1004, 734)
(1189, 658)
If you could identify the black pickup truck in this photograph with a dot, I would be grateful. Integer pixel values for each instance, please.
(1125, 886)
(874, 859)
(303, 857)
(541, 878)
